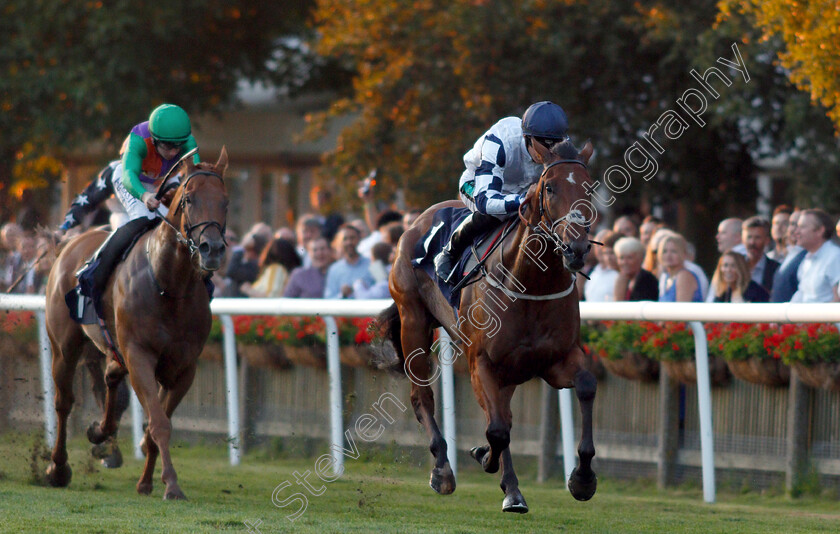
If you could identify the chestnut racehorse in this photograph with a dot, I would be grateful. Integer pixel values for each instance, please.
(157, 310)
(522, 321)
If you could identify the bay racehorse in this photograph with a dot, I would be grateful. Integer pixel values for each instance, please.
(520, 322)
(156, 308)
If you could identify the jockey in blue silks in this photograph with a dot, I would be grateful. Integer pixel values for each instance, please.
(500, 168)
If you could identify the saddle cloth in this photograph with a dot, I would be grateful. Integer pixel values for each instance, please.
(444, 224)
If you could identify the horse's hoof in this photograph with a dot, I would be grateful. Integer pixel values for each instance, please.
(99, 451)
(144, 488)
(478, 452)
(582, 488)
(174, 495)
(515, 502)
(114, 460)
(94, 433)
(59, 476)
(481, 456)
(443, 480)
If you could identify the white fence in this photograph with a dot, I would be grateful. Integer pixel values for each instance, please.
(695, 314)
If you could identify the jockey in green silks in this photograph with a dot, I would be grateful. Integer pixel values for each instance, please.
(151, 149)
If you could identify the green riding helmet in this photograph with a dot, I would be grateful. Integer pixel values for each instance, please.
(170, 123)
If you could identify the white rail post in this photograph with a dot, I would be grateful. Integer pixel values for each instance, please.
(567, 432)
(47, 386)
(704, 402)
(232, 389)
(136, 421)
(336, 404)
(447, 383)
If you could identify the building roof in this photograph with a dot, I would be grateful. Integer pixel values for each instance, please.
(268, 131)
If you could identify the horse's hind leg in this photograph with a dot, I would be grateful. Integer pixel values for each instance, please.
(582, 482)
(63, 368)
(416, 337)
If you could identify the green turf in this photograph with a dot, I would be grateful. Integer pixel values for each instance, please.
(386, 492)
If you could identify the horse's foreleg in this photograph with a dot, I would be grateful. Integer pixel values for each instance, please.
(495, 400)
(416, 337)
(514, 501)
(142, 374)
(108, 452)
(100, 431)
(171, 399)
(582, 482)
(63, 369)
(151, 451)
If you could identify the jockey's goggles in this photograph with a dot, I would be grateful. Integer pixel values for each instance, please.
(167, 145)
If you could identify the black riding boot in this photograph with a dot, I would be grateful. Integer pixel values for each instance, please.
(109, 254)
(463, 236)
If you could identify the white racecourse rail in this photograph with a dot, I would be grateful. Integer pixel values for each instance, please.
(693, 313)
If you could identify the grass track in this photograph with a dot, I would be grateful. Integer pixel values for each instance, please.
(376, 495)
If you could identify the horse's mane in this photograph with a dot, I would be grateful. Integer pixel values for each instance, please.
(565, 149)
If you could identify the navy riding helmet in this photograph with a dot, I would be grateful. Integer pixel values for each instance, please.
(545, 119)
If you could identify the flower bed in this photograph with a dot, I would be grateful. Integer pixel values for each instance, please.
(750, 351)
(618, 345)
(756, 353)
(673, 345)
(18, 334)
(813, 349)
(273, 341)
(354, 337)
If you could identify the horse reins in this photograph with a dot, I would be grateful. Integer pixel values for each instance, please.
(539, 227)
(188, 241)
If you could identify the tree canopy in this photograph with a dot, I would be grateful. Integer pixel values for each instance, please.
(432, 75)
(78, 71)
(811, 34)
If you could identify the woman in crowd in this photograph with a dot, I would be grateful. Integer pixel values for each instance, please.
(633, 282)
(278, 259)
(681, 285)
(599, 288)
(651, 262)
(732, 282)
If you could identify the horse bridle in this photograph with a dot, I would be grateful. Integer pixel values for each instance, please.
(549, 232)
(188, 241)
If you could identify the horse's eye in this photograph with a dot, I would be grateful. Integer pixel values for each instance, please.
(549, 190)
(187, 199)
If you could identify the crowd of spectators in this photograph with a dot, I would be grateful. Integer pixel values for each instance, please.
(324, 256)
(790, 258)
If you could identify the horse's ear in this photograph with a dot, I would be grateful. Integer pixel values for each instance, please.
(221, 165)
(543, 153)
(586, 153)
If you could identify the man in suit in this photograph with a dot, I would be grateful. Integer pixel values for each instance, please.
(756, 237)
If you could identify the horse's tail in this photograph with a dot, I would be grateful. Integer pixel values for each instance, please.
(387, 345)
